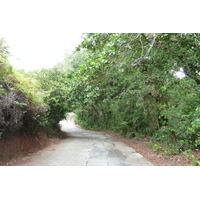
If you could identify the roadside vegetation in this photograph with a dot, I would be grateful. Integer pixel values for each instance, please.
(125, 83)
(129, 85)
(21, 101)
(27, 116)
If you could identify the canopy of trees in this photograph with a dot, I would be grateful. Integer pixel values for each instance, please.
(126, 83)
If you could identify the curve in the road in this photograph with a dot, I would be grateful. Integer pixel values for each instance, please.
(87, 148)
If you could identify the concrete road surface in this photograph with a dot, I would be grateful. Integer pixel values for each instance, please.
(86, 148)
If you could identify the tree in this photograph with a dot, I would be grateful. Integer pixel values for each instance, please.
(55, 85)
(127, 84)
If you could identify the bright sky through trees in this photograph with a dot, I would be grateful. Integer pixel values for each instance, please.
(41, 51)
(40, 31)
(37, 32)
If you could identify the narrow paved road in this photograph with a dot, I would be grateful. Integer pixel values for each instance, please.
(86, 148)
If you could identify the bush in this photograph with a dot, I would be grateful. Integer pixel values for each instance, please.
(21, 102)
(128, 84)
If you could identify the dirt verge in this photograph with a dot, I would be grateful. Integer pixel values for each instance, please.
(20, 144)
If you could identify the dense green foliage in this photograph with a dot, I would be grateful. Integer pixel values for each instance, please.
(128, 84)
(21, 102)
(54, 83)
(29, 101)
